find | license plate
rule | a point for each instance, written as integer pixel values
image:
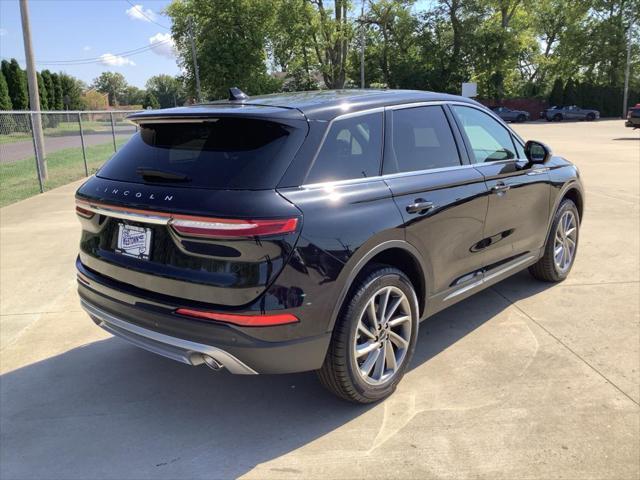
(134, 241)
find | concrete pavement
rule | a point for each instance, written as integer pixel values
(524, 380)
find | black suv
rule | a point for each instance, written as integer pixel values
(314, 231)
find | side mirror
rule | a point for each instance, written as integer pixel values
(537, 152)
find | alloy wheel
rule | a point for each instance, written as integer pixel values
(565, 242)
(383, 334)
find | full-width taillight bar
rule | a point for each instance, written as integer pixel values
(241, 320)
(190, 225)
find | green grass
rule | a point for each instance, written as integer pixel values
(64, 129)
(19, 180)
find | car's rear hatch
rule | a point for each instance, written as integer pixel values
(188, 208)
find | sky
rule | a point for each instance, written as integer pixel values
(93, 31)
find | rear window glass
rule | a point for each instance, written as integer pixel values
(352, 149)
(221, 153)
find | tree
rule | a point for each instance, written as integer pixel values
(167, 90)
(230, 42)
(56, 101)
(556, 98)
(5, 100)
(17, 85)
(111, 83)
(132, 95)
(150, 101)
(72, 89)
(42, 92)
(569, 93)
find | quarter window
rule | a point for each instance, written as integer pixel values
(421, 140)
(351, 149)
(489, 140)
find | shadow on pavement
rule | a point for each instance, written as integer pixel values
(111, 410)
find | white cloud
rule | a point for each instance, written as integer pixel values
(112, 60)
(3, 32)
(86, 48)
(163, 44)
(138, 12)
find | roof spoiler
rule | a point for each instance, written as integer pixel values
(235, 94)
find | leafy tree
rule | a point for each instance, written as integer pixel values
(569, 96)
(5, 100)
(72, 89)
(42, 92)
(56, 99)
(150, 101)
(111, 83)
(49, 86)
(167, 90)
(16, 82)
(231, 40)
(556, 96)
(132, 96)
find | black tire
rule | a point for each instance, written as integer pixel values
(521, 119)
(546, 269)
(340, 372)
(591, 117)
(557, 117)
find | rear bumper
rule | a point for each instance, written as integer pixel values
(154, 327)
(632, 123)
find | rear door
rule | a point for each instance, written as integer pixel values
(441, 197)
(516, 222)
(188, 208)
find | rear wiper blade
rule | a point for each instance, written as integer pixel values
(162, 175)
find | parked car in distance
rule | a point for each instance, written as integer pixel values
(571, 112)
(633, 117)
(314, 231)
(509, 115)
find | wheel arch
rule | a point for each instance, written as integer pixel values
(395, 253)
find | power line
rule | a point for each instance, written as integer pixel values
(84, 61)
(141, 12)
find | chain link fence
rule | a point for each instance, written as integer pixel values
(73, 145)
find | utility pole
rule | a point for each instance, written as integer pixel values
(196, 71)
(362, 46)
(34, 97)
(626, 73)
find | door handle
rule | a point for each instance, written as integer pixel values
(500, 188)
(419, 206)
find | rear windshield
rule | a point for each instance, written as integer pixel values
(220, 153)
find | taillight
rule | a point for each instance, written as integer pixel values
(241, 320)
(233, 228)
(84, 213)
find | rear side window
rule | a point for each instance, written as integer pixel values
(421, 140)
(488, 139)
(220, 153)
(352, 149)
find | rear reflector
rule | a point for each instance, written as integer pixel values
(242, 320)
(84, 213)
(233, 228)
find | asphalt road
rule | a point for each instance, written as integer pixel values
(11, 152)
(524, 380)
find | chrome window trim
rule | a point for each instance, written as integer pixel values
(402, 106)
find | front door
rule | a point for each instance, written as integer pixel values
(518, 192)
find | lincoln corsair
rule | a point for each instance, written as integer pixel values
(315, 231)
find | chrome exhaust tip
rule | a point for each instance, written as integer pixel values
(212, 363)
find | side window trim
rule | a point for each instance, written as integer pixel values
(466, 141)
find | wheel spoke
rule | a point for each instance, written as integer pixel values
(399, 320)
(398, 340)
(371, 309)
(365, 331)
(366, 348)
(379, 368)
(382, 306)
(390, 356)
(368, 364)
(392, 310)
